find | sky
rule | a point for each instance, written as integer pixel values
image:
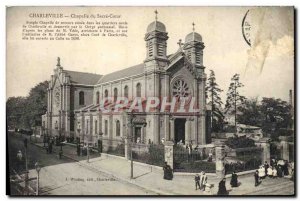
(266, 68)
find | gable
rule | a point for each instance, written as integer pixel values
(181, 65)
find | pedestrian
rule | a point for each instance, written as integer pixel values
(261, 172)
(270, 172)
(210, 155)
(222, 187)
(274, 173)
(19, 155)
(19, 159)
(197, 181)
(203, 181)
(168, 174)
(50, 148)
(266, 166)
(234, 180)
(285, 168)
(256, 178)
(78, 149)
(279, 171)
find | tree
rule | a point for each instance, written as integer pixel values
(25, 112)
(276, 116)
(213, 93)
(37, 103)
(15, 111)
(250, 113)
(234, 99)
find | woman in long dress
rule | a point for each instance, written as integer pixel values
(222, 187)
(261, 172)
(234, 180)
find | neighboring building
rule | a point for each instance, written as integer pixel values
(252, 132)
(74, 97)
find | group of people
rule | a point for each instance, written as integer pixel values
(274, 170)
(200, 181)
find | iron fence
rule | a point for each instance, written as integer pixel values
(243, 159)
(193, 160)
(148, 153)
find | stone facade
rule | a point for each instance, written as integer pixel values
(180, 74)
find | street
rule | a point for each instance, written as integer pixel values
(66, 177)
(73, 175)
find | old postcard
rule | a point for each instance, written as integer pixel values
(152, 101)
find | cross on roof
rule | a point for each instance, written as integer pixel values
(58, 61)
(193, 26)
(155, 15)
(180, 44)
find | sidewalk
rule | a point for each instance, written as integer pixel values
(145, 176)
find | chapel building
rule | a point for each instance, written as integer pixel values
(74, 98)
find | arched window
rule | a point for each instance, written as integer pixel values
(117, 128)
(81, 98)
(115, 94)
(138, 90)
(126, 91)
(97, 97)
(105, 93)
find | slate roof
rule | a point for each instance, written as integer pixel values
(134, 70)
(83, 78)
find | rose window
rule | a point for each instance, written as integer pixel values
(180, 89)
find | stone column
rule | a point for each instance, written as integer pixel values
(172, 129)
(156, 126)
(100, 122)
(169, 145)
(220, 156)
(266, 150)
(91, 128)
(187, 130)
(285, 154)
(167, 127)
(82, 126)
(127, 147)
(67, 109)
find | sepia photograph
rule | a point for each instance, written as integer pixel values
(150, 101)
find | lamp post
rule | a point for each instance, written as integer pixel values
(130, 137)
(38, 169)
(100, 143)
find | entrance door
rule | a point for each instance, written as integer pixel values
(179, 130)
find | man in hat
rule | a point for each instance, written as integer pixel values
(197, 181)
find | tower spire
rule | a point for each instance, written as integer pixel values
(155, 15)
(193, 26)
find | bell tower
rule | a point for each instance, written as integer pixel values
(193, 48)
(156, 44)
